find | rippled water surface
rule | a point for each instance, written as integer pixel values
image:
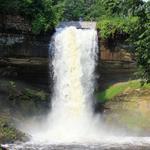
(80, 147)
(119, 143)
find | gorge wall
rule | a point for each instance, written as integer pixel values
(117, 62)
(24, 55)
(24, 60)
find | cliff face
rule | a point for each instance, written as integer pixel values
(16, 39)
(14, 23)
(23, 45)
(22, 54)
(25, 56)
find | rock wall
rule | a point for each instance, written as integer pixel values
(117, 63)
(115, 50)
(25, 56)
(17, 40)
(14, 23)
(23, 45)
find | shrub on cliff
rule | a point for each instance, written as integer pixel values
(109, 27)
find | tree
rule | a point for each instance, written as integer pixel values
(43, 14)
(95, 10)
(141, 40)
(74, 9)
(122, 7)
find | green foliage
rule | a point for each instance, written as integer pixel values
(122, 7)
(140, 37)
(87, 9)
(8, 133)
(111, 6)
(43, 14)
(39, 24)
(111, 26)
(95, 11)
(143, 55)
(117, 89)
(111, 92)
(74, 9)
(36, 95)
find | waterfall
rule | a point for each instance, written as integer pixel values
(71, 124)
(75, 52)
(71, 118)
(74, 65)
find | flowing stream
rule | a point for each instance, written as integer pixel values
(71, 124)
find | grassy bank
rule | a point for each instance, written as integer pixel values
(117, 89)
(127, 106)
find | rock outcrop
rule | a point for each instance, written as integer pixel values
(23, 55)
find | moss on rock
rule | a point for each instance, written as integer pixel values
(8, 133)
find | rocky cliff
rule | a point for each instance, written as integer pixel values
(25, 56)
(17, 40)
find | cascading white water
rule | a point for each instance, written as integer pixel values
(71, 118)
(75, 52)
(74, 64)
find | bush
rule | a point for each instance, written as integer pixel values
(43, 14)
(109, 27)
